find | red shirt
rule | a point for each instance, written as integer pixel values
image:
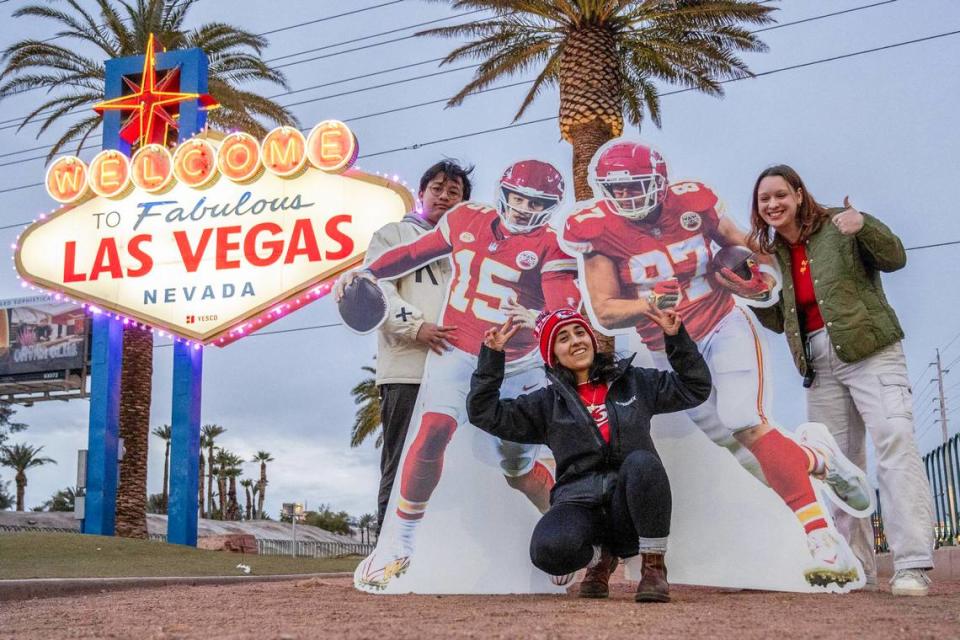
(594, 396)
(810, 317)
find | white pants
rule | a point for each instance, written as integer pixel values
(873, 396)
(446, 383)
(739, 399)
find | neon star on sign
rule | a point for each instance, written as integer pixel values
(153, 103)
(203, 242)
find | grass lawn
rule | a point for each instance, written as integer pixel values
(65, 555)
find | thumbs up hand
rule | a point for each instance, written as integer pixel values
(849, 221)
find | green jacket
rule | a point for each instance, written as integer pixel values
(846, 279)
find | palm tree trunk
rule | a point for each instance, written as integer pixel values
(249, 509)
(591, 106)
(135, 392)
(21, 479)
(233, 512)
(210, 506)
(166, 476)
(200, 484)
(263, 488)
(222, 487)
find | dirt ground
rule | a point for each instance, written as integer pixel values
(331, 608)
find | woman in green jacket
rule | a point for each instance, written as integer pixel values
(845, 340)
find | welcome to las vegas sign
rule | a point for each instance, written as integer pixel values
(213, 237)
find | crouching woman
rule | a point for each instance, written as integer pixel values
(612, 495)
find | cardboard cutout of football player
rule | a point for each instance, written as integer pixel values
(507, 262)
(646, 242)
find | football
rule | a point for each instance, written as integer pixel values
(736, 258)
(363, 306)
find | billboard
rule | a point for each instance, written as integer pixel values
(43, 345)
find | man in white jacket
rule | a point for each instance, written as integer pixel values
(414, 301)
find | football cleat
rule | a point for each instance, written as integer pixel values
(378, 569)
(832, 560)
(848, 483)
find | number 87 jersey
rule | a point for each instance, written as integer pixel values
(675, 244)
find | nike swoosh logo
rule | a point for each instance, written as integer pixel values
(627, 403)
(530, 387)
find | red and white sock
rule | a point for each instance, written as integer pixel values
(787, 466)
(424, 465)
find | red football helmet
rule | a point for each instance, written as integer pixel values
(537, 189)
(633, 177)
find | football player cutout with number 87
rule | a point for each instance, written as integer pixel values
(646, 242)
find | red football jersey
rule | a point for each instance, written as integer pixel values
(491, 266)
(676, 245)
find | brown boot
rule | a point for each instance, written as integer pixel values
(595, 583)
(653, 585)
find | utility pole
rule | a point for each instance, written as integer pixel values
(943, 401)
(951, 480)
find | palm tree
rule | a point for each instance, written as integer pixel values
(121, 28)
(202, 470)
(605, 55)
(367, 420)
(247, 485)
(135, 391)
(164, 432)
(222, 461)
(364, 524)
(210, 432)
(229, 472)
(263, 458)
(21, 457)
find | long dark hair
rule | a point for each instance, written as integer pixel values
(810, 214)
(604, 369)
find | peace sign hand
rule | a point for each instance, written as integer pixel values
(849, 221)
(668, 320)
(496, 337)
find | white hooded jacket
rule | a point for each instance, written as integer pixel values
(411, 299)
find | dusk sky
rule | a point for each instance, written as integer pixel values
(840, 97)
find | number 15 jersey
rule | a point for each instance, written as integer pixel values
(490, 267)
(675, 245)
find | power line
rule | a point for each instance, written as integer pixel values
(916, 380)
(760, 74)
(952, 340)
(329, 46)
(274, 332)
(421, 24)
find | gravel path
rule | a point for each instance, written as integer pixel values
(331, 608)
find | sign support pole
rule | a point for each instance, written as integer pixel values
(102, 470)
(185, 445)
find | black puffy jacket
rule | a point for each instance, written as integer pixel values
(555, 415)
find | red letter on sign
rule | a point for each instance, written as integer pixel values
(137, 253)
(224, 244)
(70, 263)
(108, 259)
(191, 259)
(275, 247)
(334, 233)
(303, 235)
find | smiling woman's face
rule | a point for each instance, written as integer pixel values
(573, 348)
(777, 203)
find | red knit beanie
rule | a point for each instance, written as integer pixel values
(549, 324)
